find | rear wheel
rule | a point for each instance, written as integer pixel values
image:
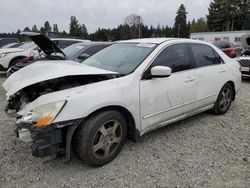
(99, 140)
(224, 100)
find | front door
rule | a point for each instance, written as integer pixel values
(163, 99)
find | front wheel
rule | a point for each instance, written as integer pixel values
(99, 140)
(224, 100)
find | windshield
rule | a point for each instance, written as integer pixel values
(28, 45)
(122, 58)
(72, 50)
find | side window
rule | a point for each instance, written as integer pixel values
(204, 55)
(176, 57)
(94, 49)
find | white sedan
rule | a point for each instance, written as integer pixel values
(10, 56)
(123, 91)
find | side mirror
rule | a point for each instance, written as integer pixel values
(83, 56)
(160, 71)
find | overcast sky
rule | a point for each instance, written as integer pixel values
(16, 14)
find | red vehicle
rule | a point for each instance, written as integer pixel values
(227, 48)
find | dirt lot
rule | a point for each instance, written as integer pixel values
(202, 151)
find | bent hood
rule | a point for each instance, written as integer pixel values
(47, 70)
(10, 50)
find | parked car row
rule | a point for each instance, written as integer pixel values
(11, 56)
(242, 54)
(123, 91)
(5, 41)
(78, 51)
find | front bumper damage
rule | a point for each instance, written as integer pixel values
(52, 140)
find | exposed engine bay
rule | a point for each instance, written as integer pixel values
(32, 92)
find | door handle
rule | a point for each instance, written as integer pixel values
(222, 71)
(189, 80)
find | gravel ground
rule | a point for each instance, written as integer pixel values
(202, 151)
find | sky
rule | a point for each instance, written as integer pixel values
(15, 14)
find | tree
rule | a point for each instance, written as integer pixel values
(199, 26)
(228, 15)
(84, 31)
(55, 28)
(73, 26)
(134, 22)
(47, 27)
(180, 26)
(34, 28)
(42, 30)
(26, 29)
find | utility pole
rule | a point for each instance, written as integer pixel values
(179, 28)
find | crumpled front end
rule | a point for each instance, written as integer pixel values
(46, 141)
(36, 107)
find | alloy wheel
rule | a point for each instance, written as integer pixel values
(107, 139)
(225, 100)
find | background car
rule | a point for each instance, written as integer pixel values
(244, 59)
(227, 48)
(4, 41)
(11, 45)
(11, 56)
(65, 42)
(77, 52)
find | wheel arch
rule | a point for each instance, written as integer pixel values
(233, 86)
(16, 58)
(132, 132)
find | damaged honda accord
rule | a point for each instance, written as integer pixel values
(123, 91)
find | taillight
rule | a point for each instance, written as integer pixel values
(26, 59)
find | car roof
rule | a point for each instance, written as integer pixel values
(70, 39)
(148, 40)
(95, 43)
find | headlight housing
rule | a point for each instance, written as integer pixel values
(45, 114)
(2, 55)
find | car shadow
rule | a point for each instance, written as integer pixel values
(246, 80)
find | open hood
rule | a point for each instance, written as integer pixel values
(47, 70)
(44, 43)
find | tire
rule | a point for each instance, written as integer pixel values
(100, 139)
(224, 100)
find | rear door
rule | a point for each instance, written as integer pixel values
(211, 73)
(164, 99)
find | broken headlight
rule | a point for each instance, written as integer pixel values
(45, 114)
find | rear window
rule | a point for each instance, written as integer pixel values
(204, 55)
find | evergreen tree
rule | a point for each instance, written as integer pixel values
(26, 29)
(42, 30)
(34, 29)
(180, 26)
(198, 26)
(73, 26)
(47, 27)
(55, 28)
(84, 32)
(228, 15)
